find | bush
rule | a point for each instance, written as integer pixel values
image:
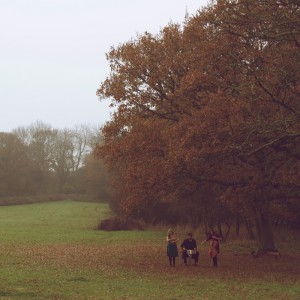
(117, 223)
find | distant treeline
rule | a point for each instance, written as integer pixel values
(39, 163)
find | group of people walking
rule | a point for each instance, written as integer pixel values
(189, 247)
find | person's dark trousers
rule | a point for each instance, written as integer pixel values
(195, 256)
(184, 256)
(215, 261)
(172, 260)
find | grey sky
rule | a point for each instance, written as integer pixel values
(52, 54)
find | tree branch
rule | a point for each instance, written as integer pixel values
(275, 142)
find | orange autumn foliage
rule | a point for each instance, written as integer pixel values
(213, 102)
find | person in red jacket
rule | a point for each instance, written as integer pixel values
(214, 249)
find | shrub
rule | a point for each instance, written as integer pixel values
(118, 223)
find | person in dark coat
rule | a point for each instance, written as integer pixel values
(172, 250)
(190, 244)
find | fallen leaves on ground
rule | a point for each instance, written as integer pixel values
(151, 259)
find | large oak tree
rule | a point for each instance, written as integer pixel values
(213, 103)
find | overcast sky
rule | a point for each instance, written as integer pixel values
(52, 54)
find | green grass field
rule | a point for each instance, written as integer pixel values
(52, 251)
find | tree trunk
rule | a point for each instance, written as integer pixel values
(265, 234)
(250, 232)
(237, 225)
(220, 229)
